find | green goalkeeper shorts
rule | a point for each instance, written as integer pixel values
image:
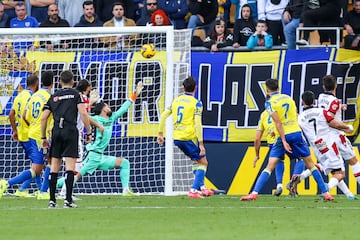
(94, 161)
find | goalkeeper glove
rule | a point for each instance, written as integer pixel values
(139, 88)
(94, 96)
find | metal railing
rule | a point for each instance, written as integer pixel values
(338, 36)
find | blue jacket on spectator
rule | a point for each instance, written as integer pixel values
(28, 22)
(176, 10)
(253, 41)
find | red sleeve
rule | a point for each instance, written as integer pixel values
(334, 106)
(87, 102)
(329, 117)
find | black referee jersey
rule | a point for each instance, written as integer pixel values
(64, 106)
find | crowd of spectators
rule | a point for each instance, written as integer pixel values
(281, 18)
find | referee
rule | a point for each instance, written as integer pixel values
(64, 104)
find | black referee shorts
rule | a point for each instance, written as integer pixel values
(65, 143)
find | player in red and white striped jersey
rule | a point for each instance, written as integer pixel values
(328, 101)
(315, 123)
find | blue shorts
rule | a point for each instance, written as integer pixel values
(36, 155)
(190, 149)
(27, 148)
(283, 157)
(297, 143)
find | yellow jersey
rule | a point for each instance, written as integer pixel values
(285, 108)
(266, 126)
(19, 106)
(34, 112)
(187, 112)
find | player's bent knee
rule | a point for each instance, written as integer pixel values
(37, 168)
(338, 174)
(118, 162)
(203, 161)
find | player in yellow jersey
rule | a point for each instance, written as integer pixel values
(266, 126)
(33, 113)
(33, 116)
(283, 111)
(187, 113)
(20, 128)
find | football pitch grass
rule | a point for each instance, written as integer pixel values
(177, 217)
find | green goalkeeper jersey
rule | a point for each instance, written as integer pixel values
(102, 139)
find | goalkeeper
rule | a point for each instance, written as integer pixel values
(95, 158)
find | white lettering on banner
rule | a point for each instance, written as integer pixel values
(298, 79)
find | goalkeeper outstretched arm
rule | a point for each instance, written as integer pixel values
(126, 105)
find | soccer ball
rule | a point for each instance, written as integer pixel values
(148, 50)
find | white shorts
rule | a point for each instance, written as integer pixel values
(344, 145)
(330, 159)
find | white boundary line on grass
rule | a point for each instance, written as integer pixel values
(166, 207)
